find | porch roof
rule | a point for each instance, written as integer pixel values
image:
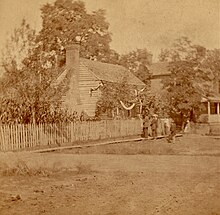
(215, 98)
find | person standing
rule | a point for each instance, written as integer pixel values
(146, 122)
(154, 125)
(187, 127)
(172, 136)
(166, 127)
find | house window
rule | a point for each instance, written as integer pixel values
(213, 107)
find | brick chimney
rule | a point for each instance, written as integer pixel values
(72, 56)
(72, 63)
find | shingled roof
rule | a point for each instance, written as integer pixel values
(110, 72)
(103, 72)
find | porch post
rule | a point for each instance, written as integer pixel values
(209, 108)
(218, 108)
(117, 111)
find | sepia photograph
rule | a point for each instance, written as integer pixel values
(109, 107)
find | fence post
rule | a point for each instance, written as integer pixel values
(2, 143)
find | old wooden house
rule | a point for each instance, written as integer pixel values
(84, 79)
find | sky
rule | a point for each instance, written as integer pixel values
(150, 24)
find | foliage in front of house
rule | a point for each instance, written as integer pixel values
(112, 94)
(137, 63)
(190, 80)
(138, 101)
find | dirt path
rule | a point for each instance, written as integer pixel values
(113, 184)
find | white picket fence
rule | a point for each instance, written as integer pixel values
(20, 136)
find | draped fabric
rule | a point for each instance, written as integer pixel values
(132, 106)
(127, 108)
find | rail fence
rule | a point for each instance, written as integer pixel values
(20, 136)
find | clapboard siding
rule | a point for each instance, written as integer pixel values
(87, 81)
(87, 103)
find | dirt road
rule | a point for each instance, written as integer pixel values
(113, 184)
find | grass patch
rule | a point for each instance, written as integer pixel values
(22, 168)
(159, 147)
(31, 164)
(26, 164)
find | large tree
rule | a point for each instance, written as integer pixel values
(190, 78)
(138, 62)
(66, 22)
(18, 46)
(25, 79)
(13, 83)
(212, 61)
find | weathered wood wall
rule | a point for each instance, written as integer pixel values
(87, 81)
